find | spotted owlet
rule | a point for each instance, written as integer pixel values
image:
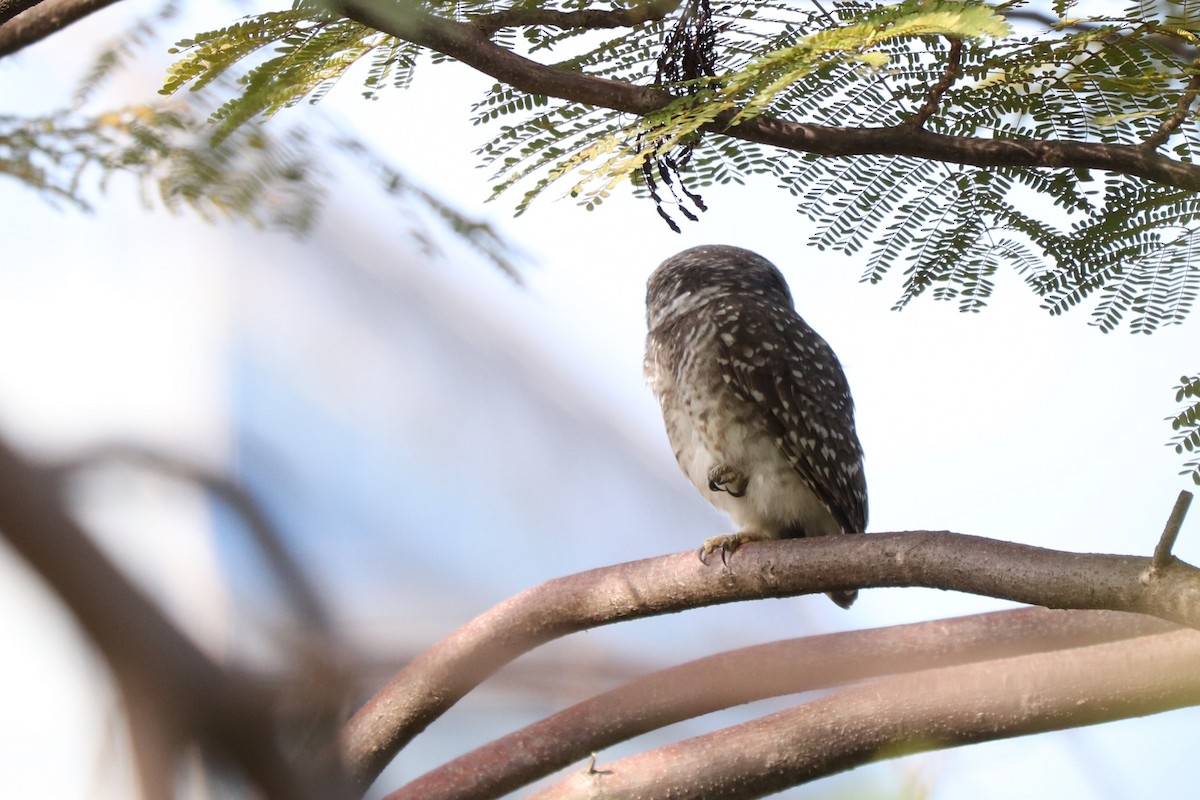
(756, 405)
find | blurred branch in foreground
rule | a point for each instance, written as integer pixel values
(175, 695)
(928, 685)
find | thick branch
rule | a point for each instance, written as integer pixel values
(779, 668)
(907, 714)
(10, 8)
(435, 681)
(471, 46)
(44, 19)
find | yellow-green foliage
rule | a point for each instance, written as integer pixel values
(753, 89)
(1119, 243)
(257, 177)
(314, 50)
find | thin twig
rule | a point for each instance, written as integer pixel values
(1183, 110)
(949, 76)
(1166, 542)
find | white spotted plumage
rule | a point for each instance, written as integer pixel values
(746, 384)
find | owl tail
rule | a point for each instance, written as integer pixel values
(843, 597)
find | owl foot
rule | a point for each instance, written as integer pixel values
(727, 544)
(723, 478)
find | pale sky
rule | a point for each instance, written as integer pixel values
(1009, 424)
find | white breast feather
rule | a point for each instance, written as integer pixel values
(775, 498)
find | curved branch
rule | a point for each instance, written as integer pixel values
(439, 677)
(301, 593)
(907, 714)
(779, 668)
(950, 74)
(175, 694)
(470, 45)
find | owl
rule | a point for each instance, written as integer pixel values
(755, 403)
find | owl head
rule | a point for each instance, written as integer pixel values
(700, 275)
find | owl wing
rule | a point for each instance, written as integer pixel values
(782, 366)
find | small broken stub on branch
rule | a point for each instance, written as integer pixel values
(1162, 553)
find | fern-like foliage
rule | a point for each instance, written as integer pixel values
(273, 176)
(266, 179)
(121, 52)
(1120, 244)
(1186, 425)
(313, 51)
(1004, 70)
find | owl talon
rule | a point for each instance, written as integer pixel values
(722, 478)
(726, 543)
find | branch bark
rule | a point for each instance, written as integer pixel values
(174, 693)
(293, 580)
(437, 679)
(779, 668)
(471, 45)
(43, 19)
(938, 90)
(1183, 109)
(11, 8)
(907, 714)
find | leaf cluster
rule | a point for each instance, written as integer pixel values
(266, 179)
(313, 50)
(1186, 425)
(1117, 243)
(239, 169)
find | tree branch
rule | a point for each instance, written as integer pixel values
(439, 677)
(10, 8)
(949, 76)
(175, 694)
(908, 714)
(788, 667)
(1183, 109)
(1162, 553)
(470, 45)
(302, 596)
(593, 19)
(43, 19)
